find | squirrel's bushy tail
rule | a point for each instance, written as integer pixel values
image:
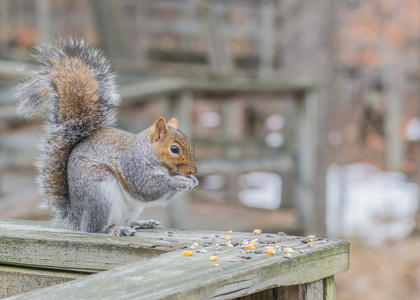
(75, 90)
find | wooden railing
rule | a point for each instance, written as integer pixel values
(44, 261)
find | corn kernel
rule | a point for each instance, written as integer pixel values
(228, 237)
(288, 250)
(253, 243)
(213, 258)
(269, 248)
(271, 252)
(188, 253)
(257, 231)
(250, 247)
(230, 232)
(195, 246)
(311, 240)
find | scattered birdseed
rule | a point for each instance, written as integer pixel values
(228, 237)
(213, 258)
(206, 245)
(288, 250)
(257, 231)
(230, 232)
(188, 253)
(250, 247)
(195, 246)
(282, 234)
(257, 252)
(270, 249)
(288, 255)
(271, 252)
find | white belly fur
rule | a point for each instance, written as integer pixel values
(126, 208)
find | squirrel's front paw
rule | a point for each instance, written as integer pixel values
(186, 183)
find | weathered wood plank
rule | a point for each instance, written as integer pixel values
(164, 86)
(154, 87)
(41, 244)
(173, 276)
(250, 85)
(14, 281)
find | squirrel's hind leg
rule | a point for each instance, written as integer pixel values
(92, 198)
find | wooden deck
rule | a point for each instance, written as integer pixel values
(36, 256)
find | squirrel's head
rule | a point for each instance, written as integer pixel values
(173, 148)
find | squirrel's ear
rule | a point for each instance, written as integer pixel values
(159, 131)
(173, 123)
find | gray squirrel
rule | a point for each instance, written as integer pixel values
(97, 178)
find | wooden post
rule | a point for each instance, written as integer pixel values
(5, 20)
(113, 29)
(44, 20)
(312, 58)
(141, 39)
(266, 38)
(394, 103)
(305, 162)
(218, 50)
(232, 125)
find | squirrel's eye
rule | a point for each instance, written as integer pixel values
(174, 149)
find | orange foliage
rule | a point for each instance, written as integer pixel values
(378, 31)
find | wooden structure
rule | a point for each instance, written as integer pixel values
(36, 256)
(211, 42)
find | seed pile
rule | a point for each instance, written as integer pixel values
(248, 248)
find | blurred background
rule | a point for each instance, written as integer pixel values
(304, 116)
